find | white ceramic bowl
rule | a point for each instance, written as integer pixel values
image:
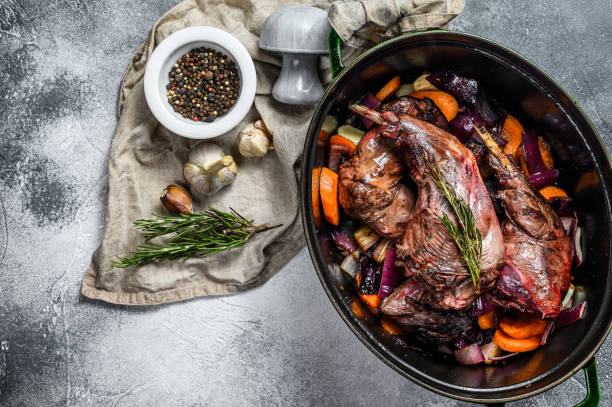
(165, 55)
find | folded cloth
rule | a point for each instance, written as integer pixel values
(145, 157)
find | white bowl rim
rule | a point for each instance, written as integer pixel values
(156, 97)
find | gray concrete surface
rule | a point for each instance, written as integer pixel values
(61, 62)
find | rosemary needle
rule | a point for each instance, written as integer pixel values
(465, 234)
(192, 234)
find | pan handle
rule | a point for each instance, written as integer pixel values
(592, 384)
(335, 53)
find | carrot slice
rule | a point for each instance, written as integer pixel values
(444, 101)
(552, 191)
(510, 344)
(522, 325)
(357, 309)
(586, 181)
(389, 89)
(371, 300)
(512, 132)
(343, 141)
(316, 197)
(487, 321)
(546, 154)
(390, 326)
(328, 186)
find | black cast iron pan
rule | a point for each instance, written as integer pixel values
(540, 103)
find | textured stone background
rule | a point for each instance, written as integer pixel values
(61, 62)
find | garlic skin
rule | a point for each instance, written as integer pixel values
(176, 199)
(209, 169)
(254, 140)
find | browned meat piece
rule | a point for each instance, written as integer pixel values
(407, 305)
(426, 249)
(423, 109)
(538, 250)
(369, 188)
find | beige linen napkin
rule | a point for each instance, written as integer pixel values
(145, 157)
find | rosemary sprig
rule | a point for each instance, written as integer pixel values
(194, 234)
(465, 234)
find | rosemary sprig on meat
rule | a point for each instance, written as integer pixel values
(465, 233)
(195, 234)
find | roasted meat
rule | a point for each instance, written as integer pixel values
(408, 305)
(426, 249)
(369, 187)
(423, 109)
(370, 190)
(538, 250)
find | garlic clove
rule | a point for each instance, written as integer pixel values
(176, 199)
(255, 140)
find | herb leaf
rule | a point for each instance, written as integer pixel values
(465, 234)
(193, 234)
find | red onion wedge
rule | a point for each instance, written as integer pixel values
(531, 151)
(350, 266)
(544, 178)
(481, 306)
(391, 276)
(369, 101)
(336, 153)
(462, 126)
(470, 355)
(562, 205)
(345, 243)
(504, 357)
(370, 275)
(567, 223)
(486, 111)
(464, 89)
(567, 300)
(490, 351)
(570, 224)
(567, 316)
(550, 325)
(578, 253)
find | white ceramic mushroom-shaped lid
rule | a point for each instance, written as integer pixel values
(297, 30)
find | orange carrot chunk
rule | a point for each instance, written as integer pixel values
(444, 101)
(357, 309)
(512, 132)
(389, 89)
(390, 326)
(522, 325)
(371, 300)
(316, 197)
(510, 344)
(487, 321)
(343, 141)
(552, 191)
(328, 186)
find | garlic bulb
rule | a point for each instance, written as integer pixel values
(255, 140)
(209, 169)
